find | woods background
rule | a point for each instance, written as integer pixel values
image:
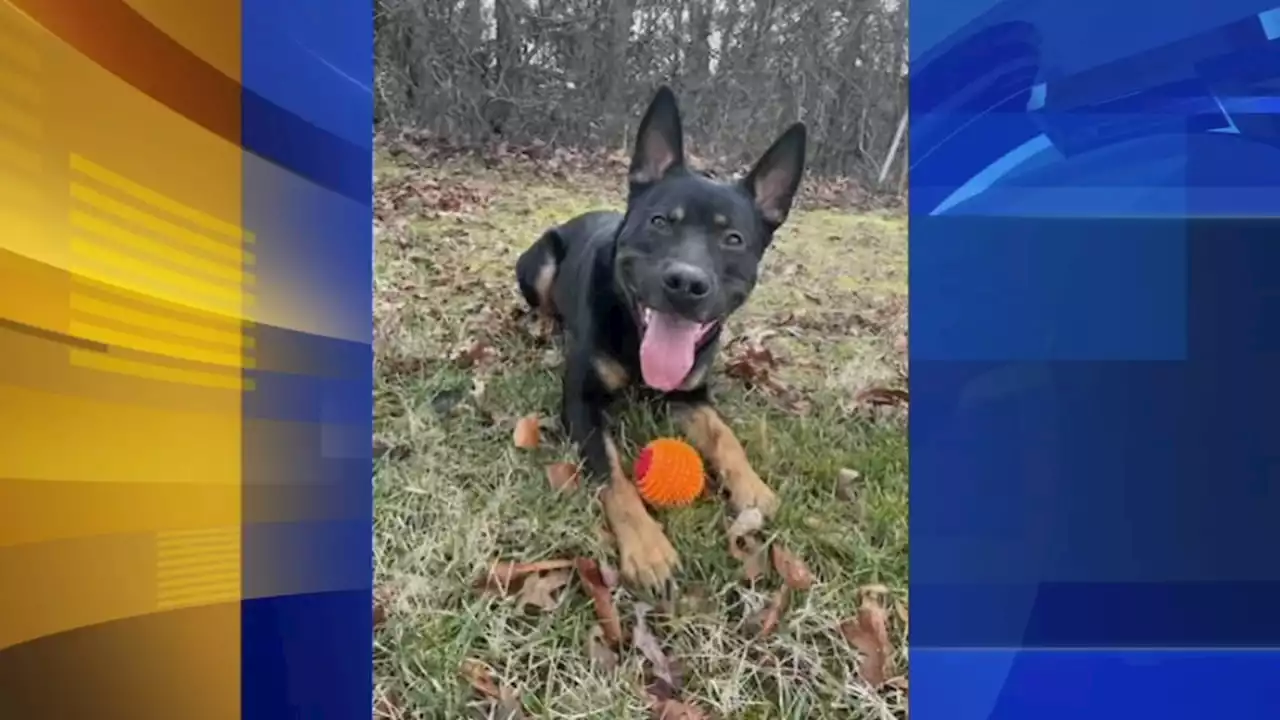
(578, 73)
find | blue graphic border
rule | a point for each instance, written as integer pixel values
(307, 113)
(1095, 330)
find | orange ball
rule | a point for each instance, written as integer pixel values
(669, 473)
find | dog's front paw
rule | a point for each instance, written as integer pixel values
(747, 490)
(646, 556)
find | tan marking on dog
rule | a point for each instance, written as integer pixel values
(542, 284)
(610, 371)
(720, 220)
(646, 556)
(676, 214)
(715, 440)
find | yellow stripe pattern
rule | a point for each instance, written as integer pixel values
(197, 567)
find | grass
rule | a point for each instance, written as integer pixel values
(453, 494)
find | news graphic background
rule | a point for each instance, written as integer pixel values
(184, 385)
(1095, 329)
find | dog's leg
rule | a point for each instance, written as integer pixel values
(646, 557)
(713, 437)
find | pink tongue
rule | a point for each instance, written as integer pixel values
(667, 350)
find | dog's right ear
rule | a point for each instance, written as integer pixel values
(660, 141)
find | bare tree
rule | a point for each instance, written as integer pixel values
(578, 71)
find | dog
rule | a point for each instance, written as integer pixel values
(642, 296)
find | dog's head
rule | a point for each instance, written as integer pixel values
(689, 249)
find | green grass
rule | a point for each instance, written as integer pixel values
(453, 494)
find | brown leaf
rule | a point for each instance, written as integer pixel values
(672, 709)
(792, 569)
(542, 591)
(381, 598)
(648, 645)
(505, 576)
(883, 396)
(527, 433)
(607, 615)
(482, 680)
(771, 616)
(868, 633)
(599, 651)
(475, 353)
(562, 476)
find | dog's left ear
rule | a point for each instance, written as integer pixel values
(773, 182)
(659, 142)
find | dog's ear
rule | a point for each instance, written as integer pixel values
(773, 182)
(660, 141)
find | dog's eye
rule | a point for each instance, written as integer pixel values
(659, 221)
(733, 239)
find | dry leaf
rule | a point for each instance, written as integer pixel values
(883, 396)
(771, 616)
(602, 599)
(672, 709)
(542, 591)
(792, 569)
(527, 433)
(482, 680)
(473, 354)
(381, 598)
(598, 650)
(648, 645)
(562, 476)
(504, 577)
(868, 633)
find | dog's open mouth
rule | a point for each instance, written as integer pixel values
(668, 345)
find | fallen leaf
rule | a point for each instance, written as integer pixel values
(649, 646)
(598, 650)
(542, 591)
(474, 353)
(506, 701)
(771, 616)
(481, 679)
(868, 633)
(672, 709)
(794, 572)
(527, 433)
(505, 576)
(602, 599)
(562, 476)
(381, 599)
(883, 396)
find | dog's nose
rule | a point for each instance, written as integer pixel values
(683, 281)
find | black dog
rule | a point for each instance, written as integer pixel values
(642, 295)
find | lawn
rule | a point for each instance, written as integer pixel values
(458, 365)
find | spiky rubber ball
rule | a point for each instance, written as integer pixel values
(669, 473)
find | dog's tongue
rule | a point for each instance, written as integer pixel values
(667, 350)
